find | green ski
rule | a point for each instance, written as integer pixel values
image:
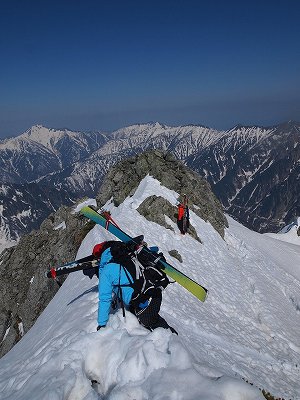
(106, 222)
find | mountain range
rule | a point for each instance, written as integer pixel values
(254, 171)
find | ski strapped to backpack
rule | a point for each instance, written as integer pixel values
(89, 265)
(54, 272)
(81, 264)
(189, 284)
(142, 273)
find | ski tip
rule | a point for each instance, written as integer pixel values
(94, 208)
(88, 207)
(206, 295)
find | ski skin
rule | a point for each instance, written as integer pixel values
(189, 284)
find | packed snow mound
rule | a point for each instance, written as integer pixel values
(248, 328)
(63, 357)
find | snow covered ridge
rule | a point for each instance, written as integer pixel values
(248, 328)
(250, 170)
(53, 150)
(290, 233)
(6, 240)
(47, 137)
(294, 225)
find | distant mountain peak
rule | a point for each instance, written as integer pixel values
(291, 122)
(156, 124)
(36, 127)
(289, 126)
(241, 126)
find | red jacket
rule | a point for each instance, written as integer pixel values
(180, 212)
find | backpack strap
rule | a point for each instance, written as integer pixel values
(121, 293)
(130, 284)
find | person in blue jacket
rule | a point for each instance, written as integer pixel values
(115, 281)
(111, 275)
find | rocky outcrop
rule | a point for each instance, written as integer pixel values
(174, 253)
(123, 179)
(25, 291)
(155, 209)
(149, 207)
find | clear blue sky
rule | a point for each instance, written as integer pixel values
(100, 65)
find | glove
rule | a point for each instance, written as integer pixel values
(100, 326)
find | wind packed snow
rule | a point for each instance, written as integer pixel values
(5, 334)
(248, 328)
(288, 234)
(21, 328)
(60, 226)
(5, 242)
(88, 202)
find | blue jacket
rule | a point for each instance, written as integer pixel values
(110, 275)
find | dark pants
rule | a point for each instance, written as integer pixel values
(183, 225)
(149, 316)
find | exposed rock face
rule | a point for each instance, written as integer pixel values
(122, 180)
(149, 208)
(25, 291)
(155, 208)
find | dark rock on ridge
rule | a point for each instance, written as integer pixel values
(25, 292)
(149, 209)
(123, 179)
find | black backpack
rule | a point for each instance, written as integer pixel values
(141, 267)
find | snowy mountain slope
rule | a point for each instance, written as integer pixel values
(26, 199)
(182, 141)
(85, 177)
(254, 171)
(24, 206)
(248, 327)
(290, 234)
(73, 164)
(40, 151)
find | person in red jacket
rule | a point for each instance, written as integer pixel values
(180, 217)
(183, 218)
